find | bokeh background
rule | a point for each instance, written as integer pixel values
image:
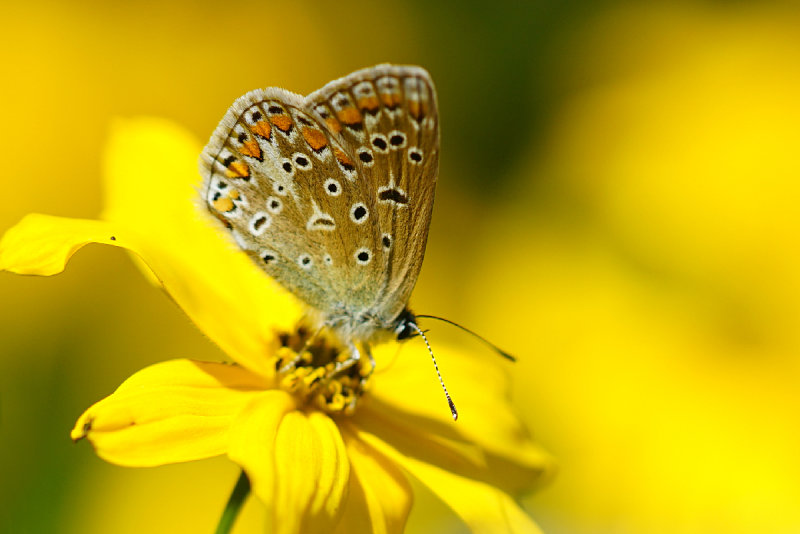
(617, 206)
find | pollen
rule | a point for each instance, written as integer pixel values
(319, 373)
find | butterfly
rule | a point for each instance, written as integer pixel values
(331, 194)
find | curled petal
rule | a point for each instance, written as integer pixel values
(170, 412)
(487, 443)
(296, 462)
(151, 175)
(42, 244)
(380, 497)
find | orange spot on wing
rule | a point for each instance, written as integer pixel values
(391, 100)
(251, 148)
(262, 128)
(234, 194)
(334, 125)
(369, 103)
(238, 169)
(315, 138)
(282, 122)
(223, 204)
(349, 115)
(415, 109)
(343, 158)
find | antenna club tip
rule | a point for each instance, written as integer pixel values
(452, 409)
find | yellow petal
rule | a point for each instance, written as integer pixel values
(407, 408)
(152, 182)
(313, 473)
(252, 439)
(380, 497)
(42, 245)
(296, 462)
(483, 507)
(173, 411)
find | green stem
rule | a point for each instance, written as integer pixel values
(239, 494)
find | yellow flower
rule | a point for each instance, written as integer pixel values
(318, 460)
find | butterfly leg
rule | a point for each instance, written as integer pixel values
(292, 364)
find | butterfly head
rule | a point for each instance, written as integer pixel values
(403, 325)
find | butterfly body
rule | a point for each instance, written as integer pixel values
(331, 194)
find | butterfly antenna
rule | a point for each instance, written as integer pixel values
(494, 347)
(446, 394)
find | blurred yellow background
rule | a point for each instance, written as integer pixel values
(617, 206)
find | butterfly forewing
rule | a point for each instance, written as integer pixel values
(332, 194)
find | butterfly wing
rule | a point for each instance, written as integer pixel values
(313, 188)
(387, 117)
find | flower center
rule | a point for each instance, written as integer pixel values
(319, 373)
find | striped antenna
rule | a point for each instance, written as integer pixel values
(446, 394)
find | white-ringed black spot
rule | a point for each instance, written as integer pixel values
(386, 240)
(227, 161)
(363, 256)
(216, 196)
(332, 187)
(256, 116)
(287, 166)
(414, 155)
(275, 109)
(397, 139)
(327, 259)
(304, 261)
(359, 213)
(221, 185)
(259, 222)
(274, 205)
(342, 102)
(379, 142)
(280, 189)
(268, 257)
(242, 137)
(302, 161)
(365, 156)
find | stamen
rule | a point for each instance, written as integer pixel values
(319, 373)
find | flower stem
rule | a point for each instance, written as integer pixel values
(239, 494)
